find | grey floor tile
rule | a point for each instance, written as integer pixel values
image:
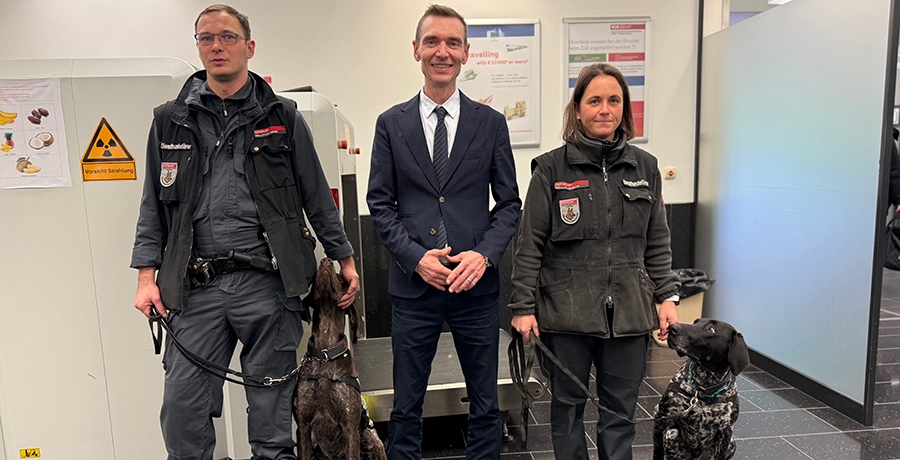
(781, 399)
(887, 416)
(778, 423)
(837, 419)
(765, 380)
(662, 368)
(888, 356)
(747, 406)
(767, 449)
(745, 384)
(656, 384)
(889, 341)
(887, 372)
(856, 445)
(887, 392)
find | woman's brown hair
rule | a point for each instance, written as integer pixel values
(571, 125)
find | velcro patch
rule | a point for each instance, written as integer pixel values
(571, 185)
(269, 131)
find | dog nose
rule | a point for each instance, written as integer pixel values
(673, 329)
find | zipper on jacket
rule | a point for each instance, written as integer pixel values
(609, 283)
(190, 251)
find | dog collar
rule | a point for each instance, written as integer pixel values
(338, 350)
(703, 392)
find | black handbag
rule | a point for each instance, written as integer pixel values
(892, 244)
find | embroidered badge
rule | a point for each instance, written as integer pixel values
(571, 185)
(269, 131)
(569, 210)
(640, 183)
(168, 173)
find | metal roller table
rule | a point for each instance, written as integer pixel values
(446, 393)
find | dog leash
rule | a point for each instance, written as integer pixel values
(209, 366)
(520, 369)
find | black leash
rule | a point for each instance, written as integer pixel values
(520, 368)
(209, 366)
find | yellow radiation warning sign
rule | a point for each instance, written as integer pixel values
(29, 453)
(106, 157)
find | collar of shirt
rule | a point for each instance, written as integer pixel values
(429, 118)
(231, 104)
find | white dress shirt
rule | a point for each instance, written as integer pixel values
(429, 119)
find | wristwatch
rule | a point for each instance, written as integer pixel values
(487, 262)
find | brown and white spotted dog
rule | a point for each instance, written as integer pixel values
(695, 416)
(331, 418)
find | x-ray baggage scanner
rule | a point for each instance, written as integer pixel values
(74, 352)
(78, 377)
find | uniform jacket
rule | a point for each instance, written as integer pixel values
(406, 201)
(594, 244)
(284, 177)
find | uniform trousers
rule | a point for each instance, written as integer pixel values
(416, 326)
(249, 306)
(621, 364)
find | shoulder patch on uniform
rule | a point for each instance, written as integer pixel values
(571, 185)
(569, 210)
(639, 183)
(269, 131)
(167, 174)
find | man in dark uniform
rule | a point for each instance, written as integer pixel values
(231, 168)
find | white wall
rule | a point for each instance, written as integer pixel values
(359, 54)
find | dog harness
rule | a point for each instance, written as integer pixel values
(338, 350)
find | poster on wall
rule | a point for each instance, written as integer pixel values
(503, 72)
(621, 42)
(32, 146)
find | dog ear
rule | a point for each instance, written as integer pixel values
(353, 313)
(738, 354)
(308, 305)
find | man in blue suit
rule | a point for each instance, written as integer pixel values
(436, 160)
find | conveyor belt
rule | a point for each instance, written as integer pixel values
(446, 394)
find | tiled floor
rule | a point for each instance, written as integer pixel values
(776, 421)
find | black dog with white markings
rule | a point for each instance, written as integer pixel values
(695, 417)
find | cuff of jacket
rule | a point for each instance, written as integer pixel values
(146, 259)
(660, 298)
(338, 253)
(523, 311)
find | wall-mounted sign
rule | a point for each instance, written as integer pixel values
(106, 157)
(504, 72)
(32, 135)
(622, 42)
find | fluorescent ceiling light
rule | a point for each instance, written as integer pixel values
(778, 2)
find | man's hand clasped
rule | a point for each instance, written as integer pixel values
(470, 269)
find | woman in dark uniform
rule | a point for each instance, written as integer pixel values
(593, 260)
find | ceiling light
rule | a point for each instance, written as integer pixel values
(778, 2)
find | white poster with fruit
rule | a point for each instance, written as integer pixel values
(32, 149)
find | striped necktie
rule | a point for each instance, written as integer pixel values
(439, 161)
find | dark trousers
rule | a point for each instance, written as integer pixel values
(416, 327)
(621, 364)
(213, 322)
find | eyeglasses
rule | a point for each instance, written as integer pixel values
(225, 38)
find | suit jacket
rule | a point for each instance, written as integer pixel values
(407, 203)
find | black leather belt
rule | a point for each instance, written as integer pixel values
(202, 272)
